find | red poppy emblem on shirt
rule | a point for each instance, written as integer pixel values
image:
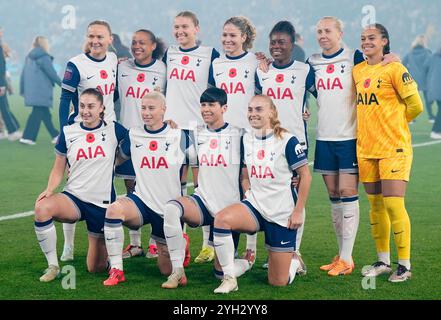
(232, 73)
(153, 146)
(367, 83)
(213, 144)
(185, 60)
(103, 74)
(141, 77)
(280, 78)
(330, 68)
(90, 138)
(261, 154)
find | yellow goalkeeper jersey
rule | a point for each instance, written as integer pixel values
(382, 129)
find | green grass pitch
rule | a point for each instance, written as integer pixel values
(24, 172)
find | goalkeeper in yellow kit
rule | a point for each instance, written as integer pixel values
(387, 100)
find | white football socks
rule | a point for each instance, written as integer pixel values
(173, 234)
(114, 237)
(350, 221)
(240, 267)
(299, 234)
(135, 237)
(205, 236)
(384, 257)
(252, 242)
(47, 238)
(152, 242)
(404, 262)
(295, 264)
(224, 246)
(69, 234)
(337, 217)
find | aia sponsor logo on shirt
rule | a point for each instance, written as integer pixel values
(329, 84)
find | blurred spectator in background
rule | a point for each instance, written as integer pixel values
(120, 49)
(3, 133)
(36, 86)
(415, 61)
(10, 121)
(298, 53)
(433, 65)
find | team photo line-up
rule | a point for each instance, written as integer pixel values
(238, 121)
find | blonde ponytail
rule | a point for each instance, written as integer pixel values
(274, 120)
(275, 124)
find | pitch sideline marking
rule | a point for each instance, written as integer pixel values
(30, 213)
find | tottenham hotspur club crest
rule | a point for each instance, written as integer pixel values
(227, 144)
(272, 156)
(342, 68)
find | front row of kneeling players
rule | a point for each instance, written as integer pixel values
(262, 161)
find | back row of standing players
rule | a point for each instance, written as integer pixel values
(187, 69)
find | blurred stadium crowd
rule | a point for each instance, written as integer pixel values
(23, 20)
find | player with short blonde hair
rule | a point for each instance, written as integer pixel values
(157, 153)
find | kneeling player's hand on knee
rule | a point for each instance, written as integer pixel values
(45, 194)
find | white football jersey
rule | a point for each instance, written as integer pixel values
(157, 158)
(90, 155)
(187, 78)
(219, 158)
(235, 75)
(92, 74)
(287, 87)
(134, 81)
(336, 118)
(270, 164)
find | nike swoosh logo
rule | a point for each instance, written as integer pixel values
(124, 75)
(88, 78)
(199, 143)
(172, 60)
(170, 237)
(42, 240)
(218, 74)
(109, 239)
(249, 154)
(138, 145)
(354, 164)
(374, 224)
(398, 232)
(394, 171)
(72, 140)
(347, 217)
(283, 242)
(263, 79)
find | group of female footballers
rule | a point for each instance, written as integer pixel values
(238, 119)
